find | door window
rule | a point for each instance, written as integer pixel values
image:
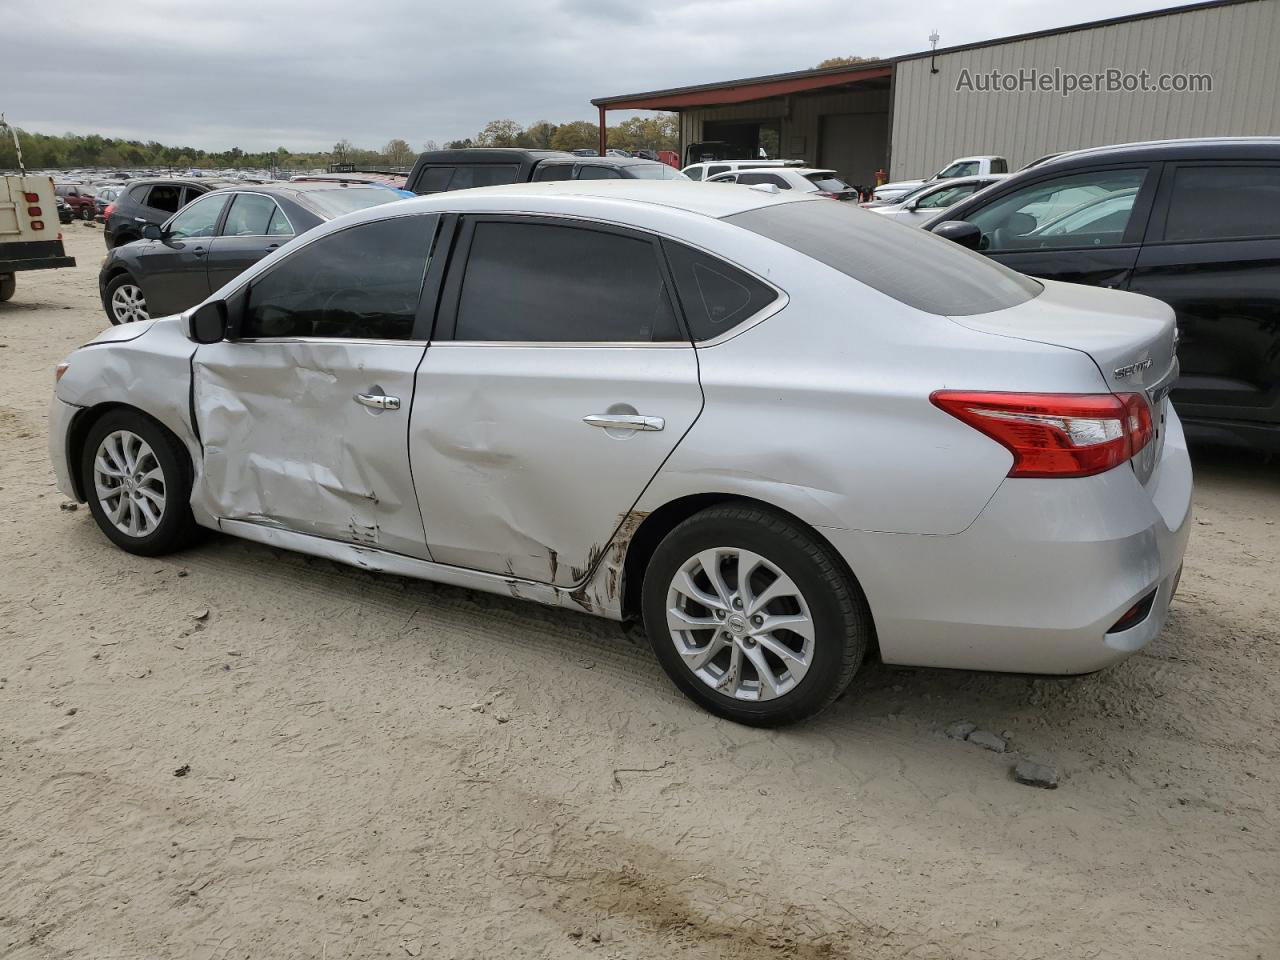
(279, 225)
(199, 219)
(553, 171)
(719, 168)
(940, 199)
(966, 168)
(694, 173)
(716, 297)
(549, 283)
(360, 283)
(1224, 202)
(1090, 209)
(435, 179)
(250, 216)
(166, 197)
(483, 175)
(190, 193)
(587, 172)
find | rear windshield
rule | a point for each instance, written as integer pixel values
(654, 171)
(911, 265)
(334, 203)
(827, 181)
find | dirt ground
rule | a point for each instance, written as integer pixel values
(337, 764)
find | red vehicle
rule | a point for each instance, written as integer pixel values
(78, 198)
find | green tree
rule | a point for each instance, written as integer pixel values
(342, 150)
(398, 153)
(499, 133)
(576, 135)
(841, 62)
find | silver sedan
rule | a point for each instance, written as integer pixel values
(777, 430)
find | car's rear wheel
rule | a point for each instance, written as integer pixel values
(753, 616)
(126, 302)
(86, 213)
(8, 286)
(137, 479)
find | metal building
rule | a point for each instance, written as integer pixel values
(912, 114)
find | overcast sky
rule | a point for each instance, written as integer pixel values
(265, 73)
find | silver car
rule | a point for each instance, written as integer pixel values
(778, 430)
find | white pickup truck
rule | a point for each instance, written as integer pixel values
(959, 167)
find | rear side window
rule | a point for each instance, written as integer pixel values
(434, 180)
(1224, 202)
(550, 283)
(694, 173)
(716, 297)
(910, 265)
(719, 168)
(777, 181)
(165, 196)
(588, 172)
(553, 171)
(999, 165)
(360, 283)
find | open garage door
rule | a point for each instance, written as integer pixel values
(855, 144)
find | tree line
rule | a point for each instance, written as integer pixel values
(42, 151)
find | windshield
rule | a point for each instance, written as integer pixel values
(828, 181)
(965, 168)
(334, 203)
(912, 266)
(654, 171)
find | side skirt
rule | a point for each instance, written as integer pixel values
(384, 561)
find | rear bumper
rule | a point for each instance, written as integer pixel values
(61, 414)
(1037, 581)
(33, 255)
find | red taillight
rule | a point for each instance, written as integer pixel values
(37, 224)
(828, 193)
(1056, 434)
(32, 197)
(107, 212)
(34, 212)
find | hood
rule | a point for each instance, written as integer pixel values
(122, 332)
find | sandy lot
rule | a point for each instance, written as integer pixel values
(378, 767)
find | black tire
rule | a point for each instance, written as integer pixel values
(86, 213)
(176, 527)
(842, 624)
(8, 286)
(114, 284)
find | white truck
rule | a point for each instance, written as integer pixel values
(30, 238)
(959, 167)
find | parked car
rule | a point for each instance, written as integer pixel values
(28, 238)
(925, 202)
(773, 428)
(64, 211)
(825, 183)
(78, 197)
(960, 167)
(1195, 223)
(103, 199)
(705, 171)
(214, 239)
(150, 201)
(440, 171)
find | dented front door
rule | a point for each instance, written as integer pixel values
(311, 435)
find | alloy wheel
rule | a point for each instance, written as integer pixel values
(130, 483)
(128, 304)
(740, 624)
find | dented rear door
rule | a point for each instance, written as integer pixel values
(304, 418)
(558, 382)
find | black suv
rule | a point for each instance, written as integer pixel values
(153, 200)
(441, 170)
(1195, 223)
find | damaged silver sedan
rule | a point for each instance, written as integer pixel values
(775, 429)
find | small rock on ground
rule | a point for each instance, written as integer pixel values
(987, 740)
(961, 729)
(1035, 774)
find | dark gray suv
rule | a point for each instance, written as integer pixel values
(153, 200)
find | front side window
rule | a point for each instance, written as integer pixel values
(718, 168)
(1224, 202)
(541, 282)
(250, 216)
(198, 219)
(360, 283)
(435, 179)
(694, 173)
(1090, 209)
(715, 296)
(166, 197)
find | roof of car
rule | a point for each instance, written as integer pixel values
(686, 195)
(610, 160)
(1199, 148)
(212, 182)
(488, 155)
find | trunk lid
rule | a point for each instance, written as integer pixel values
(1131, 338)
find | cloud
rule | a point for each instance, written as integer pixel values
(302, 75)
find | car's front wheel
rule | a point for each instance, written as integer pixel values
(8, 286)
(125, 301)
(137, 479)
(753, 616)
(86, 213)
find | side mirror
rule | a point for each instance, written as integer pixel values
(963, 232)
(151, 232)
(207, 323)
